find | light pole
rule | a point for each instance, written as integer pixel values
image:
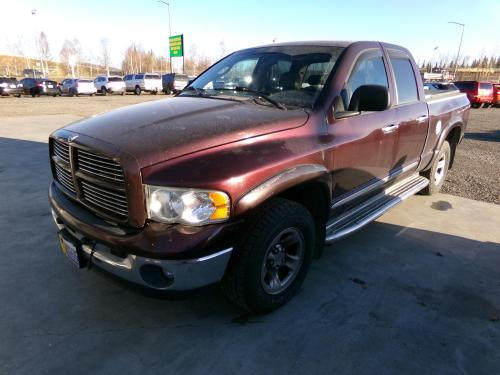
(459, 46)
(38, 47)
(169, 31)
(432, 57)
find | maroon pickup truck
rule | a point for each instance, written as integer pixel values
(243, 177)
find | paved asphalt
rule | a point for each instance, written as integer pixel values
(416, 292)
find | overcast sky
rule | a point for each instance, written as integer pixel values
(418, 25)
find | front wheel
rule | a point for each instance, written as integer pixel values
(271, 261)
(104, 91)
(438, 171)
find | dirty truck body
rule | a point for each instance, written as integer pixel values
(245, 175)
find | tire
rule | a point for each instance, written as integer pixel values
(168, 92)
(104, 91)
(137, 90)
(249, 276)
(71, 92)
(123, 93)
(438, 171)
(91, 94)
(32, 93)
(154, 92)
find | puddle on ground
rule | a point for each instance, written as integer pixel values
(441, 205)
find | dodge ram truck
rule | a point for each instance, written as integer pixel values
(244, 176)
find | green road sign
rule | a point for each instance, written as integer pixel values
(176, 44)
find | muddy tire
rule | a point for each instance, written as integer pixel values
(438, 171)
(270, 262)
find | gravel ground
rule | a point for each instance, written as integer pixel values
(476, 170)
(475, 173)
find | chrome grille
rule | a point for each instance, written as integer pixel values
(61, 150)
(94, 180)
(64, 177)
(99, 166)
(112, 201)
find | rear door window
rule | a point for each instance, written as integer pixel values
(139, 76)
(406, 85)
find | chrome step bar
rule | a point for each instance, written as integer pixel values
(366, 212)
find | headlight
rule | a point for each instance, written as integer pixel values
(186, 206)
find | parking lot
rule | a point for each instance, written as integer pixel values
(415, 292)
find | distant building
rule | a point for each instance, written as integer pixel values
(32, 73)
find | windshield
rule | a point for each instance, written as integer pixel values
(292, 76)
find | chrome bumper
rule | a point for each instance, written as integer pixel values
(178, 275)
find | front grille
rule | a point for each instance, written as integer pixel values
(99, 166)
(65, 178)
(94, 180)
(61, 150)
(114, 202)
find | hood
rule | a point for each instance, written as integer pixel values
(160, 130)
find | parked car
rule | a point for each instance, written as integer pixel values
(148, 82)
(245, 184)
(479, 92)
(174, 82)
(77, 86)
(40, 86)
(496, 95)
(446, 86)
(10, 86)
(109, 85)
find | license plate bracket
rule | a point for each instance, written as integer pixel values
(72, 248)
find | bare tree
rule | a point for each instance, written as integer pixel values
(44, 51)
(105, 57)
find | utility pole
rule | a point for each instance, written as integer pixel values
(169, 31)
(459, 46)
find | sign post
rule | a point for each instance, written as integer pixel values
(176, 47)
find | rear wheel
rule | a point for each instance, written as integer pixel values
(71, 92)
(137, 90)
(104, 91)
(438, 171)
(32, 93)
(271, 261)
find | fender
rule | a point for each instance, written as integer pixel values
(282, 181)
(444, 134)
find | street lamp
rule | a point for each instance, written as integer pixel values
(432, 57)
(459, 46)
(169, 30)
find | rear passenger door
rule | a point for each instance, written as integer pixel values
(410, 111)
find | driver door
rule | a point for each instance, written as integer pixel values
(364, 143)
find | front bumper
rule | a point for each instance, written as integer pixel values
(158, 274)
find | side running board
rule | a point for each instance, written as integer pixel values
(366, 212)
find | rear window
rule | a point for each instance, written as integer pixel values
(405, 80)
(51, 82)
(7, 80)
(152, 76)
(115, 79)
(486, 86)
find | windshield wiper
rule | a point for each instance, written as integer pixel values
(199, 92)
(260, 95)
(256, 93)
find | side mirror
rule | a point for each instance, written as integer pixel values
(369, 98)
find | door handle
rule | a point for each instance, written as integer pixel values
(390, 128)
(422, 118)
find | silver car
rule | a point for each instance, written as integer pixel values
(77, 86)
